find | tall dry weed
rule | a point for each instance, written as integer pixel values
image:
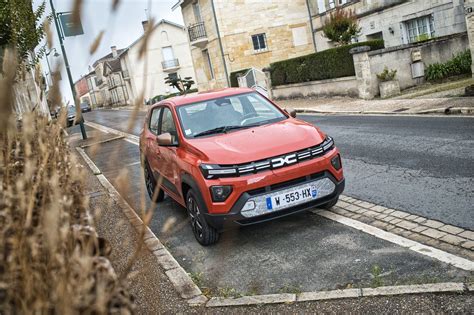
(51, 259)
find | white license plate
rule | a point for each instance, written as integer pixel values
(289, 198)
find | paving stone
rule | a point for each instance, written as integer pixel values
(449, 248)
(365, 219)
(388, 218)
(342, 204)
(356, 216)
(420, 220)
(397, 230)
(468, 235)
(399, 214)
(433, 233)
(340, 211)
(388, 211)
(419, 229)
(378, 208)
(379, 224)
(411, 217)
(381, 216)
(353, 208)
(406, 225)
(371, 213)
(420, 238)
(153, 244)
(468, 244)
(469, 254)
(395, 221)
(433, 224)
(343, 198)
(451, 229)
(406, 233)
(365, 204)
(451, 239)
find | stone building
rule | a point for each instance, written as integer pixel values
(397, 22)
(167, 54)
(230, 36)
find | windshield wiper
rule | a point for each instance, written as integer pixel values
(222, 129)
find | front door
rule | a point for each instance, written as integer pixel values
(169, 167)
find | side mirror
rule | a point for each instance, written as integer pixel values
(291, 112)
(165, 140)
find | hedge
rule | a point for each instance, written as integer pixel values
(233, 77)
(328, 64)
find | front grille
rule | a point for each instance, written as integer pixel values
(286, 184)
(283, 160)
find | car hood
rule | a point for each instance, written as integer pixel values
(253, 144)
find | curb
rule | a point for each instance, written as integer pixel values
(441, 111)
(447, 287)
(180, 279)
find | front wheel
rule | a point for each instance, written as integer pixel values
(150, 184)
(204, 234)
(330, 204)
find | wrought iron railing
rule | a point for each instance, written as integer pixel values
(197, 31)
(168, 64)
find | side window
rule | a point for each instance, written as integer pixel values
(154, 120)
(167, 124)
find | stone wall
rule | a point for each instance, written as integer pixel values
(346, 86)
(469, 10)
(369, 63)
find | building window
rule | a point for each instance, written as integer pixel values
(420, 29)
(197, 12)
(259, 42)
(332, 4)
(207, 60)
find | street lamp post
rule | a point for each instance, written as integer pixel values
(47, 62)
(68, 70)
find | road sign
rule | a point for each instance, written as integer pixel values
(69, 27)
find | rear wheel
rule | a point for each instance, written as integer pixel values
(150, 184)
(204, 234)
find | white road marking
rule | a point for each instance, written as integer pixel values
(429, 251)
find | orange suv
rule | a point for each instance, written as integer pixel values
(233, 157)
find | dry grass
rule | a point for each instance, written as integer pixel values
(52, 260)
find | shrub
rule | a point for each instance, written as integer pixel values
(387, 75)
(233, 77)
(460, 64)
(341, 27)
(328, 64)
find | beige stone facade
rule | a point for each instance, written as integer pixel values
(285, 25)
(469, 10)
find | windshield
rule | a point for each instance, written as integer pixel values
(227, 113)
(71, 110)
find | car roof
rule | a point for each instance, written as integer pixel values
(204, 96)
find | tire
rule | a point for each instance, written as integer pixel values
(150, 184)
(330, 204)
(205, 235)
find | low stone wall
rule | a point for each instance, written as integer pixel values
(400, 58)
(346, 86)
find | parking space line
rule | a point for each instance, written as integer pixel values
(429, 251)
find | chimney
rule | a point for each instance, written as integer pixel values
(114, 51)
(145, 25)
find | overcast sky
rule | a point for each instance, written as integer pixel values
(121, 29)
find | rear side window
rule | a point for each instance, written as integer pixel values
(154, 120)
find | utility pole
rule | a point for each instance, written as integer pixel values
(68, 70)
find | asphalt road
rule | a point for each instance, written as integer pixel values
(422, 165)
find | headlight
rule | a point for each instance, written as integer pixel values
(220, 193)
(214, 171)
(336, 162)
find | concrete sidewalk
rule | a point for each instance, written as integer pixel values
(346, 105)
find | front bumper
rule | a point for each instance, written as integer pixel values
(235, 218)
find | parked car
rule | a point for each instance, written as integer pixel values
(85, 107)
(71, 115)
(234, 158)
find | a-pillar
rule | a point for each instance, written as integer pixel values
(363, 73)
